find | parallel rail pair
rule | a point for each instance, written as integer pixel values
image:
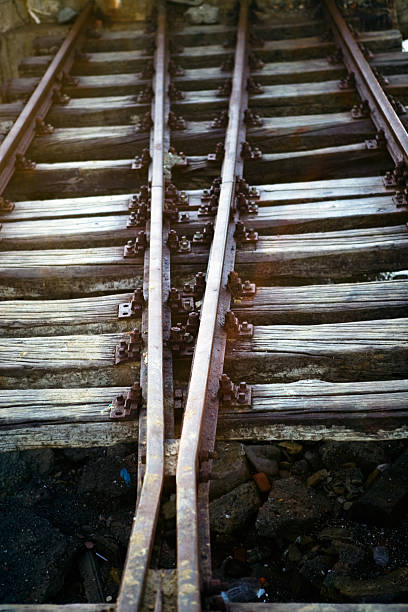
(202, 400)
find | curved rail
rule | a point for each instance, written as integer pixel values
(188, 569)
(22, 132)
(144, 525)
(382, 113)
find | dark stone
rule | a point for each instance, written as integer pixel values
(17, 468)
(102, 476)
(13, 471)
(382, 589)
(300, 468)
(291, 509)
(264, 458)
(366, 455)
(231, 511)
(314, 568)
(39, 573)
(229, 468)
(313, 460)
(386, 501)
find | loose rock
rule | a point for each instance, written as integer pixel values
(383, 589)
(231, 511)
(291, 508)
(264, 458)
(229, 468)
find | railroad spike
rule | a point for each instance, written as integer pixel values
(129, 350)
(227, 64)
(255, 63)
(174, 93)
(252, 119)
(399, 108)
(175, 70)
(400, 198)
(348, 82)
(145, 95)
(133, 308)
(253, 87)
(336, 57)
(6, 205)
(379, 142)
(397, 177)
(142, 161)
(383, 81)
(68, 80)
(60, 98)
(221, 120)
(250, 153)
(42, 128)
(22, 163)
(361, 111)
(176, 122)
(224, 90)
(148, 71)
(218, 156)
(126, 408)
(234, 396)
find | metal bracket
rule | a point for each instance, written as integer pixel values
(126, 408)
(142, 161)
(175, 70)
(240, 291)
(336, 57)
(129, 351)
(234, 396)
(243, 235)
(147, 71)
(250, 153)
(205, 236)
(397, 177)
(145, 95)
(218, 156)
(60, 98)
(400, 198)
(42, 128)
(253, 87)
(176, 122)
(349, 81)
(379, 142)
(145, 123)
(181, 303)
(227, 64)
(255, 63)
(399, 108)
(182, 337)
(136, 248)
(224, 90)
(6, 205)
(174, 93)
(22, 163)
(252, 119)
(221, 120)
(383, 81)
(361, 111)
(133, 308)
(236, 330)
(178, 245)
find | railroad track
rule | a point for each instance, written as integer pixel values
(140, 292)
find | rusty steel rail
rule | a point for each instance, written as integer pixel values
(382, 113)
(188, 561)
(144, 523)
(23, 131)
